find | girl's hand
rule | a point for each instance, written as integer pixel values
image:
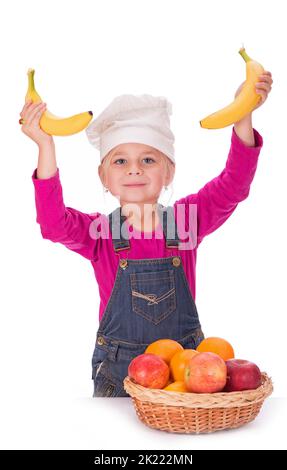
(31, 113)
(263, 87)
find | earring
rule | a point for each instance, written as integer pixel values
(106, 190)
(166, 188)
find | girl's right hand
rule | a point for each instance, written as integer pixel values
(31, 113)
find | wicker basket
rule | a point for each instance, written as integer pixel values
(197, 412)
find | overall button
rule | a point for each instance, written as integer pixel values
(100, 340)
(123, 263)
(176, 261)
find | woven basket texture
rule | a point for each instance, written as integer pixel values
(179, 412)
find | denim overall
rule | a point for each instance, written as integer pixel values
(150, 300)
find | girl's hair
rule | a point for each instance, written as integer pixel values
(107, 159)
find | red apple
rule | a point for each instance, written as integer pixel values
(205, 373)
(149, 370)
(242, 375)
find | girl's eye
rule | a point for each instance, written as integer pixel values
(122, 159)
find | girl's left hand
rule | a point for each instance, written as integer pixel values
(263, 87)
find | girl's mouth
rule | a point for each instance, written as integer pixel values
(134, 185)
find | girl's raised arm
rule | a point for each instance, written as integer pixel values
(218, 198)
(58, 223)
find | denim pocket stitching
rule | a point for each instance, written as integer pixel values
(152, 298)
(102, 385)
(165, 314)
(137, 284)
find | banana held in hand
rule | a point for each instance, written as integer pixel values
(55, 125)
(244, 102)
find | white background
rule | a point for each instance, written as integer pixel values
(84, 54)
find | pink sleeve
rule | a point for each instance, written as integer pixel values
(59, 223)
(217, 200)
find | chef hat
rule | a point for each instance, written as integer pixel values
(133, 118)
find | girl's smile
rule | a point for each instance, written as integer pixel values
(134, 185)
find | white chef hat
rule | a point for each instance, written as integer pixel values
(133, 118)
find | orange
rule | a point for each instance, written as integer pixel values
(218, 346)
(164, 348)
(177, 386)
(179, 362)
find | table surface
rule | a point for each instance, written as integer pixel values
(31, 422)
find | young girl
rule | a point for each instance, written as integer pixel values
(146, 276)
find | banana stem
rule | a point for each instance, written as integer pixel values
(243, 54)
(31, 84)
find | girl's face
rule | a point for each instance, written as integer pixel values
(136, 173)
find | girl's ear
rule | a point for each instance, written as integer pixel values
(101, 174)
(169, 174)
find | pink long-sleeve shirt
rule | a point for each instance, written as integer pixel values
(215, 202)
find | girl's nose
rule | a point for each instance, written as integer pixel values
(134, 171)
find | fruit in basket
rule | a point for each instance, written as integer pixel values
(149, 370)
(205, 372)
(242, 375)
(164, 348)
(218, 346)
(177, 386)
(179, 362)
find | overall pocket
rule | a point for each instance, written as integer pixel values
(106, 384)
(103, 387)
(153, 295)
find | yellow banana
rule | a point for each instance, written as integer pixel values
(55, 125)
(244, 102)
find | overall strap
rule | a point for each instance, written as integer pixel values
(169, 226)
(119, 232)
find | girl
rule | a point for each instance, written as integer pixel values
(146, 276)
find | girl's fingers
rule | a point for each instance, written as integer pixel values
(268, 81)
(25, 107)
(265, 78)
(266, 73)
(265, 87)
(29, 112)
(28, 108)
(35, 113)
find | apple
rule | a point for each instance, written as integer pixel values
(205, 372)
(242, 375)
(149, 370)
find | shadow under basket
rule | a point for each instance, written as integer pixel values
(197, 412)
